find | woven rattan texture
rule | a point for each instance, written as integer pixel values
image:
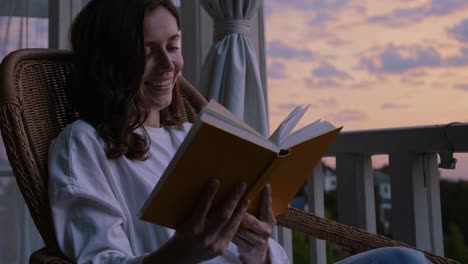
(46, 110)
(40, 112)
(352, 239)
(32, 124)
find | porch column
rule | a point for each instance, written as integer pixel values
(355, 191)
(416, 213)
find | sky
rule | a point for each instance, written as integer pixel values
(361, 64)
(366, 64)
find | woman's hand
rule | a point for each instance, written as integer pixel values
(209, 231)
(252, 242)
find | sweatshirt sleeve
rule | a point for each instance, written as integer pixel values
(88, 220)
(277, 253)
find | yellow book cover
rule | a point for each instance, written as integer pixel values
(219, 145)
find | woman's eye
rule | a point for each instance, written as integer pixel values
(173, 48)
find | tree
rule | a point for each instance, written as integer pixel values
(455, 247)
(452, 197)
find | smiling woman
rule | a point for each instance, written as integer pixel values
(109, 66)
(163, 61)
(103, 167)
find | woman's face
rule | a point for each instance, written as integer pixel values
(163, 57)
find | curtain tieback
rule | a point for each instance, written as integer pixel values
(237, 26)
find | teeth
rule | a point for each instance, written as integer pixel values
(160, 84)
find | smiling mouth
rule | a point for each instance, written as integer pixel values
(159, 84)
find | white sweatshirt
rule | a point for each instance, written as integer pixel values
(95, 201)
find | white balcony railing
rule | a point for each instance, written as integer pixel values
(414, 179)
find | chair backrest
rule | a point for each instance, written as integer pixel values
(34, 108)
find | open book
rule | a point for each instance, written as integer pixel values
(221, 145)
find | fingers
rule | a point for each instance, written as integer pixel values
(250, 237)
(204, 204)
(231, 227)
(213, 229)
(262, 229)
(240, 242)
(266, 210)
(220, 216)
(252, 248)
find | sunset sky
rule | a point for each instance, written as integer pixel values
(368, 63)
(360, 64)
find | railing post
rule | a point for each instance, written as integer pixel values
(355, 191)
(416, 214)
(315, 204)
(283, 236)
(435, 213)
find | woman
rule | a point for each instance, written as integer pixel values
(102, 168)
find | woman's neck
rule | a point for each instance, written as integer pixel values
(153, 119)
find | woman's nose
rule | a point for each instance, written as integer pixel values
(165, 62)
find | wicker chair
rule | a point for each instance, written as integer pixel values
(34, 109)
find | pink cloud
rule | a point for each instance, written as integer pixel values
(276, 70)
(460, 31)
(393, 60)
(347, 115)
(328, 102)
(326, 70)
(279, 49)
(403, 16)
(390, 105)
(461, 86)
(319, 84)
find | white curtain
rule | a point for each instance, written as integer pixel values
(230, 73)
(23, 24)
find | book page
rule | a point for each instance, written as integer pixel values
(216, 109)
(224, 119)
(288, 124)
(312, 130)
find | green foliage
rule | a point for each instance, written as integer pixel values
(333, 253)
(300, 248)
(453, 195)
(455, 247)
(454, 217)
(331, 210)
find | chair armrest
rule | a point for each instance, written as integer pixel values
(44, 256)
(352, 239)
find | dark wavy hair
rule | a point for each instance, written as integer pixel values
(107, 42)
